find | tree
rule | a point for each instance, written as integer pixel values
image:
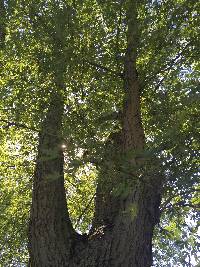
(102, 80)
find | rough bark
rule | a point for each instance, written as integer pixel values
(132, 129)
(127, 197)
(131, 212)
(50, 227)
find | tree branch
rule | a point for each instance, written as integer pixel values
(169, 65)
(164, 205)
(182, 204)
(109, 117)
(19, 125)
(85, 209)
(99, 66)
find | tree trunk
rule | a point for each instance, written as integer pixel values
(127, 197)
(50, 226)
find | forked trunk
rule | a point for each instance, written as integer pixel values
(127, 197)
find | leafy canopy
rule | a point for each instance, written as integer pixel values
(87, 40)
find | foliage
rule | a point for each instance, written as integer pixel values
(90, 37)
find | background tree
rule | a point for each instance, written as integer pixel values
(76, 63)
